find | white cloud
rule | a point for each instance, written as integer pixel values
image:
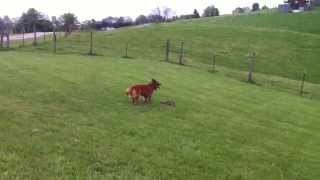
(98, 9)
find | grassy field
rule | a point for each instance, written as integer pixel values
(286, 44)
(66, 117)
(300, 22)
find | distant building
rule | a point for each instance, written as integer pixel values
(285, 8)
(295, 6)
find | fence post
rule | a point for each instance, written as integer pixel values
(126, 50)
(302, 83)
(91, 44)
(168, 50)
(213, 63)
(251, 67)
(44, 36)
(181, 54)
(54, 42)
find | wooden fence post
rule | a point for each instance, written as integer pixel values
(44, 36)
(213, 63)
(168, 50)
(302, 83)
(181, 54)
(126, 50)
(91, 44)
(251, 67)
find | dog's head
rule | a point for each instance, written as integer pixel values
(155, 84)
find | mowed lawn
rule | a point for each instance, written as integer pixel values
(66, 117)
(286, 44)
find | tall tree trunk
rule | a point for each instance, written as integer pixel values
(8, 40)
(68, 30)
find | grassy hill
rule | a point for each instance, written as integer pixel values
(66, 117)
(286, 44)
(306, 22)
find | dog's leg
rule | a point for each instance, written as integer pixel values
(145, 99)
(136, 100)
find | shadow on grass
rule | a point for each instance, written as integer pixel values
(127, 57)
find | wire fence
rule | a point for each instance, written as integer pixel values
(247, 66)
(26, 39)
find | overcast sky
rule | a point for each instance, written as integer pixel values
(98, 9)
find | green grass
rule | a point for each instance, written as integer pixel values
(293, 22)
(286, 44)
(66, 117)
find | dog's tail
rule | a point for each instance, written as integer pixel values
(132, 92)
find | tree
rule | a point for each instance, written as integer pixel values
(109, 21)
(93, 24)
(29, 21)
(238, 10)
(89, 25)
(142, 19)
(167, 13)
(211, 11)
(315, 2)
(32, 21)
(2, 31)
(265, 7)
(8, 24)
(196, 14)
(123, 21)
(255, 7)
(2, 26)
(6, 27)
(44, 24)
(69, 21)
(156, 15)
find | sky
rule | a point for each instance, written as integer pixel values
(99, 9)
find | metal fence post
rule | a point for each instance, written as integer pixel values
(181, 57)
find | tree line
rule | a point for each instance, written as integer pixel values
(33, 21)
(157, 15)
(256, 6)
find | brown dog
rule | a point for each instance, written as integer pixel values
(142, 90)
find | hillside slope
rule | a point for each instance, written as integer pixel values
(307, 22)
(286, 44)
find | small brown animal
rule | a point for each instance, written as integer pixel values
(142, 90)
